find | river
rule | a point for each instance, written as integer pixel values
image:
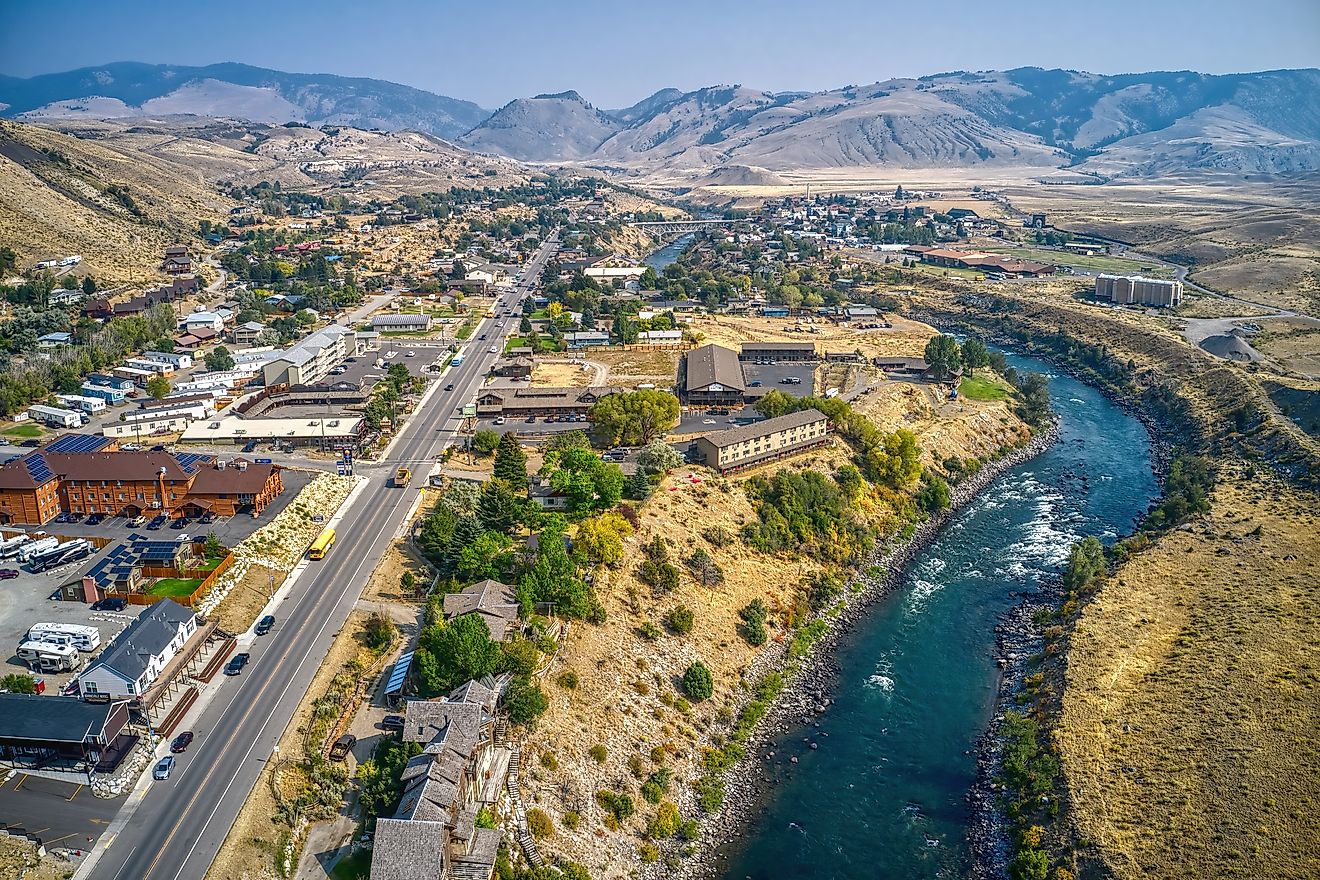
(658, 260)
(884, 796)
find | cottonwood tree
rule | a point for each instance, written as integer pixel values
(943, 355)
(634, 418)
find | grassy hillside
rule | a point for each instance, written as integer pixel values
(61, 195)
(1189, 727)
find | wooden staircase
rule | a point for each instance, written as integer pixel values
(525, 839)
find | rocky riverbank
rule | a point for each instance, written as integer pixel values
(806, 697)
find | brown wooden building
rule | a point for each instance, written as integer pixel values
(37, 487)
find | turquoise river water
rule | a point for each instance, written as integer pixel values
(884, 796)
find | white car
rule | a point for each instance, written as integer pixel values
(493, 350)
(411, 353)
(708, 421)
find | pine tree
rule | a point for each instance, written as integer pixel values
(511, 462)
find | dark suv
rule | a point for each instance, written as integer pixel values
(236, 663)
(264, 625)
(110, 603)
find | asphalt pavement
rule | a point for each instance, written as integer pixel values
(176, 829)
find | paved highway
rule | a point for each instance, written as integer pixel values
(178, 827)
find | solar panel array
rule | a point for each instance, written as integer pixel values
(118, 564)
(37, 467)
(192, 461)
(79, 443)
(399, 674)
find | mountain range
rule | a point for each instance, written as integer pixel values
(1141, 124)
(130, 89)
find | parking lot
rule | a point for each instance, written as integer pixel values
(773, 376)
(27, 598)
(392, 351)
(60, 814)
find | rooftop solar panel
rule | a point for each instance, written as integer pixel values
(36, 466)
(78, 443)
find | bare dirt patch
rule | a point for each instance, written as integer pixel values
(568, 374)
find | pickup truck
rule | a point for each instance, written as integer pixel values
(402, 477)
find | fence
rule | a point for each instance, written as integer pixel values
(208, 576)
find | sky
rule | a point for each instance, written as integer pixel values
(616, 53)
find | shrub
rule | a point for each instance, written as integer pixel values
(753, 625)
(656, 570)
(651, 793)
(704, 568)
(549, 761)
(539, 823)
(649, 631)
(599, 753)
(664, 824)
(620, 806)
(680, 619)
(648, 853)
(486, 818)
(717, 536)
(524, 701)
(568, 680)
(636, 766)
(689, 829)
(698, 682)
(571, 820)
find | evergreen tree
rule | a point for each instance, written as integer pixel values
(511, 461)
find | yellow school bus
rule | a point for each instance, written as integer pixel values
(322, 544)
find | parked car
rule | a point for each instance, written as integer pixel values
(181, 742)
(755, 383)
(96, 519)
(110, 603)
(132, 447)
(250, 446)
(180, 523)
(339, 751)
(30, 443)
(207, 518)
(236, 663)
(264, 625)
(8, 574)
(159, 447)
(411, 353)
(158, 521)
(136, 521)
(392, 722)
(499, 420)
(163, 768)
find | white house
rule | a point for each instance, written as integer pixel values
(178, 361)
(200, 320)
(135, 659)
(660, 337)
(484, 275)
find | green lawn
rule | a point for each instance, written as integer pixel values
(979, 388)
(468, 326)
(515, 342)
(174, 587)
(1098, 263)
(27, 432)
(354, 867)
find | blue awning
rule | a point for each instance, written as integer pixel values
(399, 674)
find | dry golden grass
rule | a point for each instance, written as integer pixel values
(639, 365)
(906, 338)
(563, 374)
(1191, 721)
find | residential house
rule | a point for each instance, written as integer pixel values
(493, 601)
(54, 340)
(176, 261)
(514, 368)
(433, 835)
(546, 496)
(660, 337)
(586, 338)
(202, 321)
(248, 333)
(745, 445)
(131, 663)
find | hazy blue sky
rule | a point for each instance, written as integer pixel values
(616, 53)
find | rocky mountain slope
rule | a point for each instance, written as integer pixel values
(1141, 124)
(237, 90)
(560, 127)
(1133, 124)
